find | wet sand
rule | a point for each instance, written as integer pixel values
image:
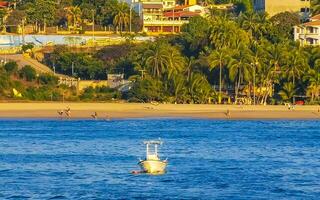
(134, 110)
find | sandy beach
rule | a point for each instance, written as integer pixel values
(133, 110)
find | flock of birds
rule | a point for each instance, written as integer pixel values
(67, 113)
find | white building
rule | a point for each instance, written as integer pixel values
(309, 32)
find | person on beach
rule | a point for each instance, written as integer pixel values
(60, 113)
(228, 114)
(68, 112)
(95, 115)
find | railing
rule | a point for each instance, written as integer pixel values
(165, 22)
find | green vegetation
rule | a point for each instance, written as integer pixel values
(76, 15)
(240, 57)
(220, 59)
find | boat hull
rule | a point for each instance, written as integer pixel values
(153, 166)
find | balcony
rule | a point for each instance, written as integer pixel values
(165, 22)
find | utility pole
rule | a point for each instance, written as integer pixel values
(72, 68)
(93, 38)
(130, 17)
(173, 21)
(22, 32)
(54, 69)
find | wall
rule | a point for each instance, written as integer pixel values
(273, 7)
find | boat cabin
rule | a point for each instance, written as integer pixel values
(152, 149)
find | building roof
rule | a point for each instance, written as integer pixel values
(315, 18)
(313, 23)
(4, 4)
(150, 6)
(181, 7)
(181, 14)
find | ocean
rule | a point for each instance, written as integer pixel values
(208, 159)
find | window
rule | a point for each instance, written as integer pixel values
(304, 10)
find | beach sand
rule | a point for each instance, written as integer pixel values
(135, 110)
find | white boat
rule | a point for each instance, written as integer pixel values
(153, 164)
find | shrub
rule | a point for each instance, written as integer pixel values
(27, 73)
(27, 47)
(11, 67)
(48, 79)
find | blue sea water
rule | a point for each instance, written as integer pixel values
(208, 159)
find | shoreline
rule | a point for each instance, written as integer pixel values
(147, 110)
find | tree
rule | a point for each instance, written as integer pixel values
(74, 14)
(195, 34)
(11, 67)
(283, 23)
(313, 89)
(27, 73)
(243, 6)
(315, 4)
(41, 12)
(254, 23)
(199, 88)
(219, 58)
(157, 59)
(27, 47)
(296, 65)
(121, 16)
(15, 19)
(176, 62)
(240, 68)
(287, 92)
(180, 90)
(3, 14)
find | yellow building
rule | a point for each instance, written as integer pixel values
(273, 7)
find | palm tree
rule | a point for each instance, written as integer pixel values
(219, 58)
(254, 23)
(190, 65)
(313, 89)
(240, 68)
(180, 90)
(74, 14)
(121, 16)
(297, 64)
(199, 88)
(176, 62)
(315, 7)
(224, 33)
(287, 91)
(157, 59)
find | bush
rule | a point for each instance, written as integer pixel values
(27, 73)
(11, 67)
(48, 79)
(27, 47)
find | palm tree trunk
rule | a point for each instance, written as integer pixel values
(238, 84)
(220, 86)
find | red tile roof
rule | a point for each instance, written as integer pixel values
(316, 17)
(314, 23)
(181, 7)
(150, 6)
(4, 4)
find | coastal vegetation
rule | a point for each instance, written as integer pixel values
(76, 16)
(227, 57)
(224, 58)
